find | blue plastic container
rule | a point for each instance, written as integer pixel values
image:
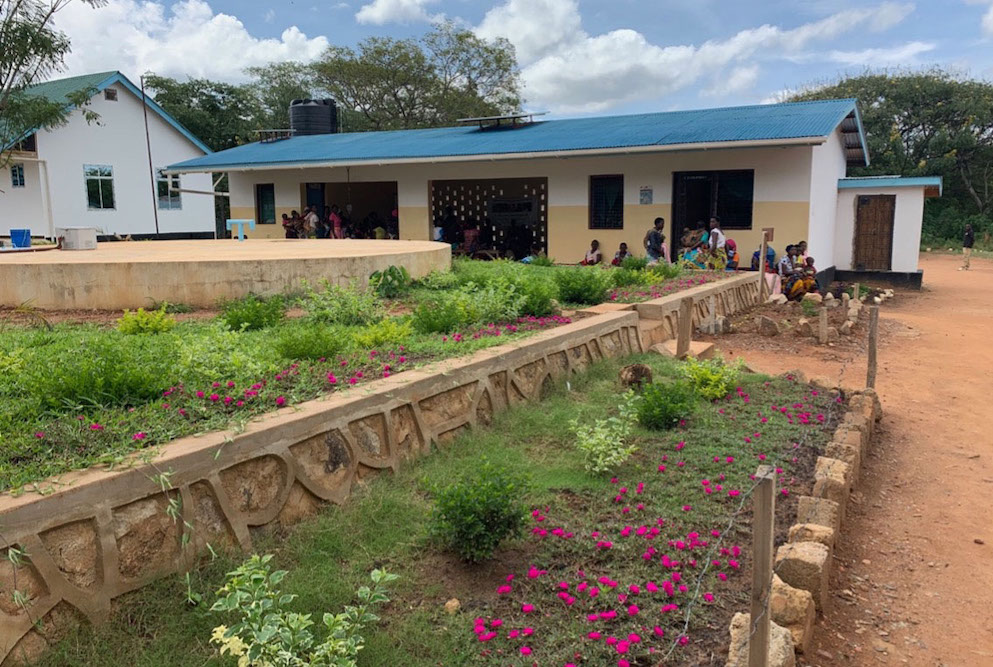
(20, 238)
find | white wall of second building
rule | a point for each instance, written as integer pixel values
(827, 165)
(907, 220)
(782, 191)
(21, 207)
(118, 140)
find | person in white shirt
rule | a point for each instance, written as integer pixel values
(310, 220)
(717, 238)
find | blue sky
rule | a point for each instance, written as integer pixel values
(577, 56)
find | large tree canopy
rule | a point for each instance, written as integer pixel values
(928, 123)
(32, 50)
(406, 83)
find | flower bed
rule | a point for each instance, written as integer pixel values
(614, 568)
(639, 293)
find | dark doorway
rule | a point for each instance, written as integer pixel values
(873, 244)
(699, 195)
(265, 204)
(510, 214)
(365, 205)
(315, 197)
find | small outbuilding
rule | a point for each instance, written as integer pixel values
(557, 185)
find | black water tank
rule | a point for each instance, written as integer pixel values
(313, 116)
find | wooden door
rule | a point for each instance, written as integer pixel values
(873, 243)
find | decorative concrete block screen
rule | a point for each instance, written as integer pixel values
(727, 297)
(108, 532)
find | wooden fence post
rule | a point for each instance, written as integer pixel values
(685, 332)
(822, 326)
(763, 530)
(856, 290)
(763, 286)
(870, 376)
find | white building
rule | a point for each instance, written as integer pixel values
(559, 184)
(96, 174)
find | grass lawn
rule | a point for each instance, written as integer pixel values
(77, 395)
(650, 524)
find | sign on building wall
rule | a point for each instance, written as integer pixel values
(646, 195)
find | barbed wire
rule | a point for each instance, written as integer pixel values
(735, 516)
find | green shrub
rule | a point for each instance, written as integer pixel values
(538, 295)
(218, 354)
(664, 271)
(469, 306)
(809, 308)
(310, 340)
(266, 633)
(385, 332)
(349, 306)
(711, 378)
(104, 368)
(173, 308)
(253, 312)
(624, 277)
(144, 321)
(474, 515)
(439, 280)
(603, 443)
(633, 263)
(542, 260)
(582, 284)
(662, 405)
(391, 282)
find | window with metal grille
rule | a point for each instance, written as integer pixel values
(17, 175)
(99, 186)
(733, 199)
(110, 94)
(607, 202)
(700, 195)
(167, 191)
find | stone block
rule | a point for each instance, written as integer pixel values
(793, 609)
(781, 652)
(812, 532)
(850, 453)
(804, 327)
(846, 328)
(832, 480)
(813, 297)
(804, 565)
(778, 299)
(853, 433)
(821, 511)
(767, 326)
(832, 335)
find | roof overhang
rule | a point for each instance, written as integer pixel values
(853, 139)
(494, 157)
(932, 185)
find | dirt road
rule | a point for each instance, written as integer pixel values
(914, 570)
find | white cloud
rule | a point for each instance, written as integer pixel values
(187, 40)
(380, 12)
(270, 16)
(905, 54)
(567, 69)
(986, 24)
(741, 79)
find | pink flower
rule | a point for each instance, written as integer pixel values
(708, 597)
(96, 427)
(352, 380)
(280, 401)
(240, 403)
(594, 635)
(215, 398)
(332, 379)
(687, 508)
(527, 608)
(633, 610)
(140, 435)
(200, 394)
(785, 492)
(503, 590)
(496, 623)
(527, 632)
(39, 435)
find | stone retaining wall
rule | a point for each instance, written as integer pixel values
(803, 565)
(108, 533)
(103, 534)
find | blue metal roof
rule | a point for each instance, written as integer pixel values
(58, 90)
(890, 182)
(757, 123)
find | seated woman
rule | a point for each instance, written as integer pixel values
(621, 254)
(697, 256)
(732, 254)
(593, 255)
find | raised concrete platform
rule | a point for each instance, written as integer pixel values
(199, 273)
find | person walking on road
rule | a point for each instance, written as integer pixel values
(968, 239)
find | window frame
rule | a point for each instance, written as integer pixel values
(174, 199)
(591, 222)
(100, 178)
(110, 94)
(17, 179)
(258, 204)
(714, 177)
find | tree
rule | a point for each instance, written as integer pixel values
(928, 123)
(32, 51)
(275, 85)
(407, 83)
(222, 115)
